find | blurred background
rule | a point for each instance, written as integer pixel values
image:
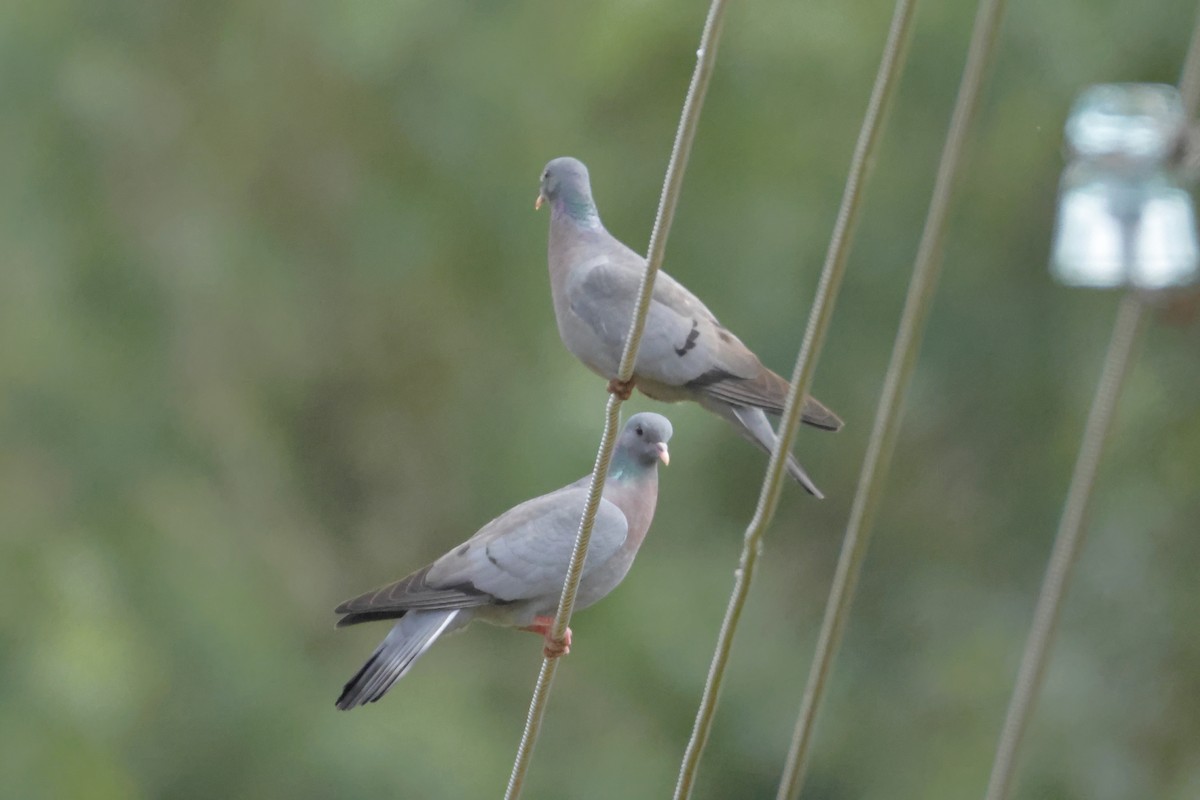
(276, 329)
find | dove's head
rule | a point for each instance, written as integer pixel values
(565, 185)
(644, 439)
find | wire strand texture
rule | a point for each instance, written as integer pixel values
(926, 271)
(673, 183)
(1068, 541)
(862, 161)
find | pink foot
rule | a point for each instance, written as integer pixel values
(621, 389)
(552, 649)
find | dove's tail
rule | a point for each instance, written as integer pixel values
(408, 639)
(752, 424)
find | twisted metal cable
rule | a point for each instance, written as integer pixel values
(887, 78)
(1069, 539)
(887, 418)
(1066, 544)
(705, 61)
(1189, 79)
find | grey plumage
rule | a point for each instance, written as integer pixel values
(511, 572)
(685, 353)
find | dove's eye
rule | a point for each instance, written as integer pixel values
(638, 430)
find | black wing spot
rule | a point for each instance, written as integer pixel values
(690, 342)
(369, 616)
(724, 335)
(467, 588)
(488, 552)
(462, 551)
(709, 378)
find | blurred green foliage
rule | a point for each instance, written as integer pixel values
(276, 329)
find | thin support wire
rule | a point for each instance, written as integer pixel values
(1189, 80)
(890, 68)
(1069, 538)
(882, 443)
(1066, 544)
(706, 58)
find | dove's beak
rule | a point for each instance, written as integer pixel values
(541, 198)
(663, 454)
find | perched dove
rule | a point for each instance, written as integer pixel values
(685, 354)
(511, 572)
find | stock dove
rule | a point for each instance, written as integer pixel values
(685, 354)
(511, 572)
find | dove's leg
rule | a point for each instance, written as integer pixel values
(621, 389)
(544, 626)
